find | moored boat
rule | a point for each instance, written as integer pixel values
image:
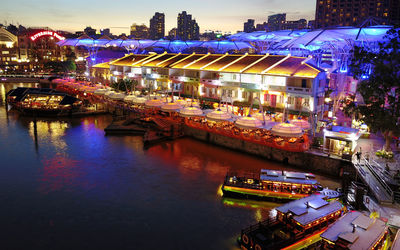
(297, 224)
(43, 102)
(271, 184)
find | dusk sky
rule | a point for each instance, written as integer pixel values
(73, 15)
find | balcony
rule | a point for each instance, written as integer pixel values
(134, 75)
(277, 88)
(184, 79)
(210, 82)
(298, 90)
(155, 76)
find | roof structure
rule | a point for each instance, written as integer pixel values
(132, 59)
(276, 65)
(312, 40)
(165, 45)
(356, 229)
(396, 241)
(105, 65)
(288, 177)
(21, 93)
(310, 209)
(6, 36)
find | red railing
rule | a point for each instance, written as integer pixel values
(297, 146)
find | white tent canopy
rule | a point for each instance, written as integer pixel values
(171, 107)
(248, 122)
(117, 96)
(219, 116)
(139, 100)
(154, 103)
(191, 112)
(259, 116)
(287, 130)
(301, 123)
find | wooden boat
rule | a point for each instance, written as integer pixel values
(297, 224)
(271, 184)
(43, 102)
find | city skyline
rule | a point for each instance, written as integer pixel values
(227, 16)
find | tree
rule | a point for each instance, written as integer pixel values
(125, 85)
(379, 73)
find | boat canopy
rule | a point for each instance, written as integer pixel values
(310, 209)
(288, 177)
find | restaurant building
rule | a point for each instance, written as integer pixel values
(279, 83)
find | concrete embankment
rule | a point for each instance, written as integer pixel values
(304, 160)
(19, 79)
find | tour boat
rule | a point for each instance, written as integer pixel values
(297, 224)
(42, 101)
(271, 184)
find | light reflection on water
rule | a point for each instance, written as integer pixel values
(71, 187)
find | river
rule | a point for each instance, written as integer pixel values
(71, 187)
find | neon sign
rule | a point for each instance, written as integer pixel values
(47, 33)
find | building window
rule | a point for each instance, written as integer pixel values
(303, 83)
(290, 100)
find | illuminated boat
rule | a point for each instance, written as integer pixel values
(43, 102)
(297, 224)
(271, 184)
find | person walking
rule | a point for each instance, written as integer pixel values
(358, 154)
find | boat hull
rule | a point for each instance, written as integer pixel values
(259, 194)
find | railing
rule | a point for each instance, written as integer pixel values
(266, 224)
(23, 75)
(250, 137)
(385, 186)
(298, 89)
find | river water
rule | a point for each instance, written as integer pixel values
(71, 187)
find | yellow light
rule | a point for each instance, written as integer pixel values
(274, 93)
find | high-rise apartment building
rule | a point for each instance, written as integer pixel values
(262, 26)
(105, 32)
(355, 12)
(276, 22)
(172, 34)
(90, 31)
(188, 29)
(296, 25)
(139, 31)
(249, 26)
(157, 26)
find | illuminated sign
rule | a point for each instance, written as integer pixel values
(47, 33)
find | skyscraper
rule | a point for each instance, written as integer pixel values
(262, 26)
(355, 12)
(249, 26)
(296, 25)
(90, 31)
(276, 22)
(188, 29)
(139, 31)
(172, 34)
(157, 26)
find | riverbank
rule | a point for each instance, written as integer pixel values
(304, 160)
(19, 79)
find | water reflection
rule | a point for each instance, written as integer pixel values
(115, 194)
(49, 131)
(59, 172)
